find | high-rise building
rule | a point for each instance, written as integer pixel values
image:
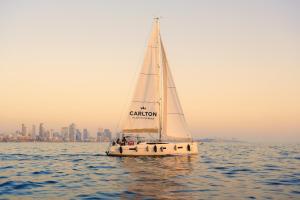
(33, 132)
(99, 134)
(57, 136)
(65, 133)
(72, 132)
(78, 135)
(41, 131)
(46, 135)
(106, 137)
(24, 130)
(85, 135)
(50, 137)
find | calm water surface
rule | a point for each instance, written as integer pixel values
(82, 171)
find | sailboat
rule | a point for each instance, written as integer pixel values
(154, 110)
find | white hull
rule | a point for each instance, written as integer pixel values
(154, 149)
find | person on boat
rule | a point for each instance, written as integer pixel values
(124, 141)
(118, 141)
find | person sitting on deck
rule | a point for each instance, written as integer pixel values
(118, 141)
(124, 141)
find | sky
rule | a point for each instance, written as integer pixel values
(236, 64)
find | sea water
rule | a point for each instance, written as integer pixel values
(82, 171)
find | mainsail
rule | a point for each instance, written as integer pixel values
(155, 106)
(143, 114)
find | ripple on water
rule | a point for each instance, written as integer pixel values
(17, 185)
(286, 181)
(77, 160)
(41, 172)
(6, 167)
(101, 167)
(270, 167)
(295, 192)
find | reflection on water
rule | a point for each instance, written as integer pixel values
(82, 171)
(158, 177)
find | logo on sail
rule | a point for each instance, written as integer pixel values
(143, 114)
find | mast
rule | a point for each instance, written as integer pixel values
(162, 80)
(158, 57)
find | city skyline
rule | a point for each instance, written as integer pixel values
(70, 133)
(29, 126)
(236, 64)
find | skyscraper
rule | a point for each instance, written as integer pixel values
(106, 135)
(33, 132)
(99, 134)
(85, 135)
(50, 137)
(24, 130)
(65, 133)
(72, 132)
(78, 135)
(41, 131)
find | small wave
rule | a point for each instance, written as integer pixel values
(291, 181)
(230, 171)
(50, 182)
(106, 195)
(77, 160)
(243, 170)
(100, 167)
(191, 191)
(41, 172)
(295, 192)
(6, 167)
(220, 168)
(20, 185)
(270, 167)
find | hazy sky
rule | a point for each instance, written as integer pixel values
(236, 64)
